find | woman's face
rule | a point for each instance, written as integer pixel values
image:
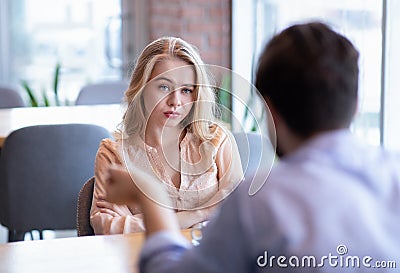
(170, 93)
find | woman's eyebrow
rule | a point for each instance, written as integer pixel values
(189, 85)
(163, 78)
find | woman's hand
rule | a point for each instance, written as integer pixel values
(111, 208)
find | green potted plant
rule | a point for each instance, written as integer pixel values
(34, 101)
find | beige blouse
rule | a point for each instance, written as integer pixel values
(205, 180)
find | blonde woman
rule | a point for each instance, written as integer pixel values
(170, 130)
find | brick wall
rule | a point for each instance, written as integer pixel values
(204, 23)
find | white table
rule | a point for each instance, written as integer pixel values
(100, 254)
(108, 116)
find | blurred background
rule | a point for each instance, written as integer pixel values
(98, 40)
(94, 41)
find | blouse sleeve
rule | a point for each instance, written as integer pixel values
(104, 223)
(230, 172)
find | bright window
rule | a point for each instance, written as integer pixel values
(84, 36)
(367, 23)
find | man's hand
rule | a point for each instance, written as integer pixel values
(148, 192)
(119, 187)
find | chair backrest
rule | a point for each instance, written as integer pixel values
(251, 145)
(10, 98)
(41, 172)
(84, 205)
(102, 93)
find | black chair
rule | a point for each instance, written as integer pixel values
(10, 98)
(84, 205)
(41, 172)
(111, 92)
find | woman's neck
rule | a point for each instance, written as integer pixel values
(157, 137)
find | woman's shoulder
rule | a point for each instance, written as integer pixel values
(107, 152)
(109, 145)
(107, 142)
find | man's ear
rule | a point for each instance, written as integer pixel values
(275, 115)
(273, 121)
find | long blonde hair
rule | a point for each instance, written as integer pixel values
(204, 110)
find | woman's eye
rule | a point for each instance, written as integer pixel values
(164, 87)
(187, 90)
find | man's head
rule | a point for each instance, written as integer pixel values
(309, 75)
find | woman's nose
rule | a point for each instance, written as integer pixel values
(174, 98)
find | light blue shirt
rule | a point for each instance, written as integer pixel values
(331, 206)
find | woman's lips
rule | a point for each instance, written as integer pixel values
(171, 114)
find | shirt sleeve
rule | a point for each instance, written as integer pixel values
(223, 248)
(160, 247)
(104, 223)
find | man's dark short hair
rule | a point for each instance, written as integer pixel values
(309, 73)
